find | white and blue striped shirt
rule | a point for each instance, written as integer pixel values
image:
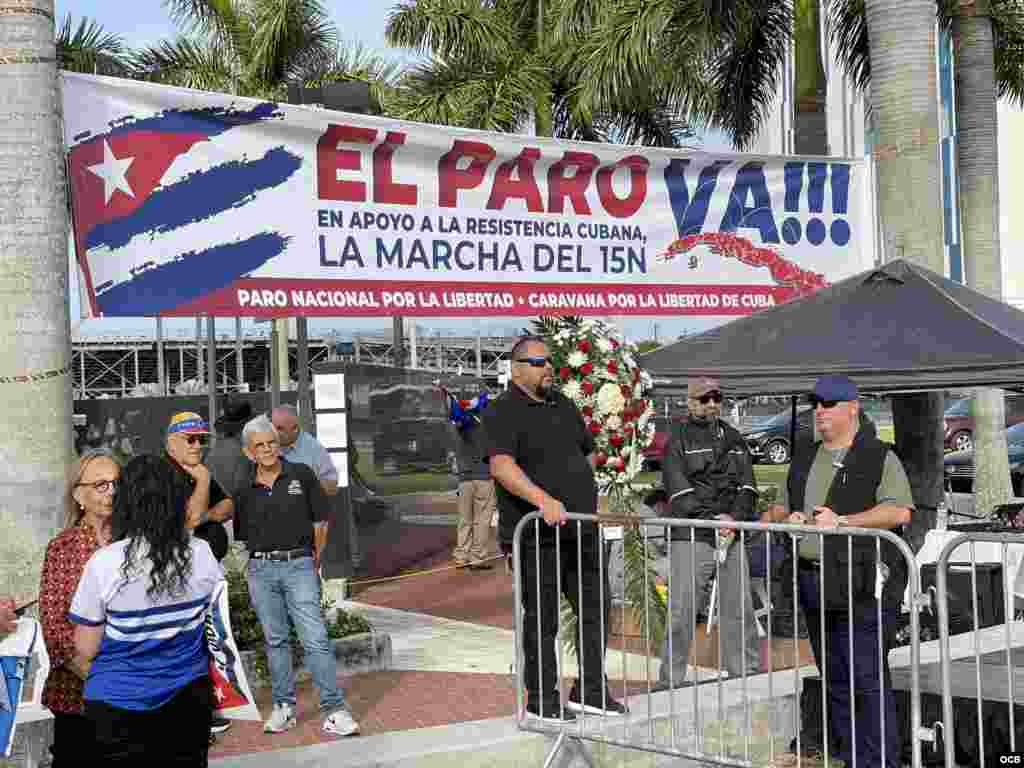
(150, 650)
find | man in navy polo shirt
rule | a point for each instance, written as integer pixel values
(542, 458)
(278, 510)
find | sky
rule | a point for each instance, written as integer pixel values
(145, 22)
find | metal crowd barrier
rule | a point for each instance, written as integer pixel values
(685, 732)
(980, 648)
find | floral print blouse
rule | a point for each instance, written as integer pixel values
(66, 556)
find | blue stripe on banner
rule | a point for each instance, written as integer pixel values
(212, 121)
(158, 611)
(76, 619)
(156, 627)
(190, 277)
(199, 196)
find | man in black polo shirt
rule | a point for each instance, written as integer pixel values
(541, 457)
(277, 511)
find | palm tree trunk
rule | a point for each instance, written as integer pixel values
(542, 118)
(810, 122)
(35, 348)
(901, 34)
(978, 170)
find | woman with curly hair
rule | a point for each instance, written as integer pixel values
(139, 613)
(89, 505)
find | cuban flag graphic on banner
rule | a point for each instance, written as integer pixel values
(172, 187)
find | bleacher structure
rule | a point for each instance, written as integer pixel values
(123, 366)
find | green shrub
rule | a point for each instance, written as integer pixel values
(249, 634)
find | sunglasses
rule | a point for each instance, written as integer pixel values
(535, 362)
(715, 397)
(100, 486)
(193, 439)
(826, 404)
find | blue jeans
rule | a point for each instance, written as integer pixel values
(872, 697)
(291, 589)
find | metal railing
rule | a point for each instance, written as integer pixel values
(643, 724)
(1009, 634)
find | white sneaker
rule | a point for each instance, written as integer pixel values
(281, 719)
(340, 723)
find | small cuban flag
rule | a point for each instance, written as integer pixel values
(464, 413)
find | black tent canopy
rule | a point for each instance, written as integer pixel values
(897, 328)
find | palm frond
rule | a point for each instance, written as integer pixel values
(285, 33)
(493, 96)
(88, 48)
(847, 28)
(450, 29)
(190, 63)
(1008, 29)
(745, 73)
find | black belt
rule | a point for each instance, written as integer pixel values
(283, 554)
(809, 565)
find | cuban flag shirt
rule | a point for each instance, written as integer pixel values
(150, 649)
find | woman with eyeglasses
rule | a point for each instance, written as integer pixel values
(139, 612)
(89, 502)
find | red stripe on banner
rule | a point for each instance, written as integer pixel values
(273, 297)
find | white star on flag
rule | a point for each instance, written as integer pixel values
(112, 170)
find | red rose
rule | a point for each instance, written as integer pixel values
(627, 391)
(564, 373)
(600, 458)
(627, 415)
(587, 411)
(628, 429)
(595, 427)
(586, 369)
(587, 387)
(641, 406)
(616, 440)
(612, 366)
(583, 346)
(614, 343)
(621, 466)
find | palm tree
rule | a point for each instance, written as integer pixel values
(246, 47)
(35, 344)
(354, 62)
(493, 65)
(989, 63)
(88, 48)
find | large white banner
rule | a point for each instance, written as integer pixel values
(191, 203)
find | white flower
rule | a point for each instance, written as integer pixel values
(604, 345)
(612, 423)
(572, 390)
(610, 399)
(577, 358)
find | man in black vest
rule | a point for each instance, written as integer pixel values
(708, 475)
(849, 479)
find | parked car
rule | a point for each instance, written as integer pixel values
(770, 441)
(959, 424)
(959, 465)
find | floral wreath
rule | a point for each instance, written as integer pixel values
(597, 370)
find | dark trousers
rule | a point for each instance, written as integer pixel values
(871, 698)
(72, 740)
(176, 734)
(589, 612)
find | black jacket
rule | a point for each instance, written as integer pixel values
(707, 472)
(854, 489)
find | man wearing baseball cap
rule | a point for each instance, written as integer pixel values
(708, 475)
(849, 478)
(208, 506)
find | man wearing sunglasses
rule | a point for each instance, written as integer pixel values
(849, 478)
(208, 505)
(541, 457)
(708, 475)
